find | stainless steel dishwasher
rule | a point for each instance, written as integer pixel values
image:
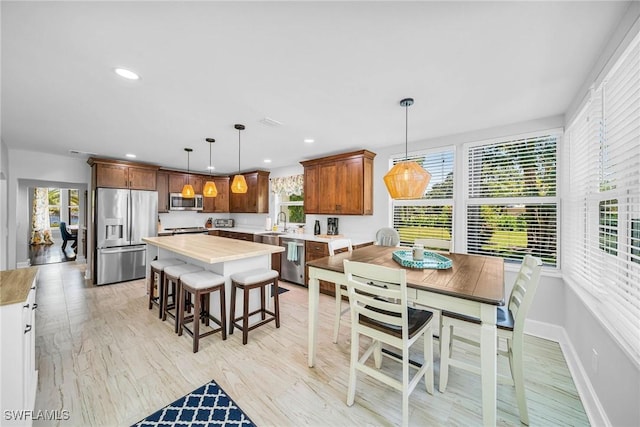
(292, 260)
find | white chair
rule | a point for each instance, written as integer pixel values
(335, 245)
(381, 313)
(387, 236)
(438, 245)
(510, 323)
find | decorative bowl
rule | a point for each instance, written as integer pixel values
(431, 260)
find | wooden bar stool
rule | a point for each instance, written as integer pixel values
(201, 284)
(172, 274)
(157, 268)
(247, 280)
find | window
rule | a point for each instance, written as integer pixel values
(602, 209)
(54, 207)
(431, 216)
(289, 197)
(74, 207)
(511, 190)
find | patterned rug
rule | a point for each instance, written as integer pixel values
(209, 405)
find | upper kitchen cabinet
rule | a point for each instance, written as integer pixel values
(256, 199)
(177, 180)
(120, 174)
(220, 203)
(163, 191)
(339, 185)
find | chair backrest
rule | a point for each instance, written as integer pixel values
(64, 232)
(374, 291)
(337, 244)
(435, 244)
(387, 236)
(524, 289)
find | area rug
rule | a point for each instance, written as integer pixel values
(208, 405)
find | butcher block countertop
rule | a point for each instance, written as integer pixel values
(15, 284)
(211, 249)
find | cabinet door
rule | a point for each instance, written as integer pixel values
(221, 201)
(162, 185)
(197, 181)
(311, 190)
(252, 192)
(327, 188)
(112, 176)
(142, 179)
(176, 182)
(349, 189)
(238, 202)
(315, 250)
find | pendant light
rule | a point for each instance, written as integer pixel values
(407, 179)
(239, 184)
(210, 189)
(187, 190)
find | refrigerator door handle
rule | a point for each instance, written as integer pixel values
(121, 250)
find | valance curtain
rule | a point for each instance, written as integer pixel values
(40, 231)
(288, 185)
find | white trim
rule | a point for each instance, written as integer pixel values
(592, 406)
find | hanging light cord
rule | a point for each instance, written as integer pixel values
(406, 131)
(239, 151)
(210, 159)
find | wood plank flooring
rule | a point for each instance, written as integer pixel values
(108, 360)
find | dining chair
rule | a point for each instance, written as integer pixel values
(67, 235)
(438, 245)
(510, 327)
(379, 310)
(341, 290)
(387, 236)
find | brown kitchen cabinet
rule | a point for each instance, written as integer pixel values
(108, 173)
(315, 250)
(256, 199)
(220, 203)
(163, 191)
(177, 180)
(339, 185)
(236, 235)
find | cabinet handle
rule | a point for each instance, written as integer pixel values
(25, 306)
(35, 305)
(33, 287)
(27, 329)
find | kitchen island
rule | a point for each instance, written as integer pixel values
(219, 255)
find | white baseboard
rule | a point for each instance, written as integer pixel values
(24, 264)
(592, 407)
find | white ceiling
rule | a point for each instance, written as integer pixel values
(332, 71)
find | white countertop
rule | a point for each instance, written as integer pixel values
(355, 240)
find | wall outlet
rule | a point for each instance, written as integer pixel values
(594, 360)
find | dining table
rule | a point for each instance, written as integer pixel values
(473, 286)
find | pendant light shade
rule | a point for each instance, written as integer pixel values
(187, 190)
(239, 184)
(210, 189)
(407, 180)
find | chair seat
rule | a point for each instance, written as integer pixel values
(179, 270)
(254, 276)
(504, 318)
(417, 319)
(161, 264)
(201, 280)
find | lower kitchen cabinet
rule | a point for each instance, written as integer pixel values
(17, 355)
(315, 250)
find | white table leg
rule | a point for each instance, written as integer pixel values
(488, 362)
(314, 297)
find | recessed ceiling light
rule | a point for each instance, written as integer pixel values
(127, 74)
(267, 160)
(309, 140)
(131, 156)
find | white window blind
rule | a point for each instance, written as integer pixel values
(602, 212)
(512, 205)
(431, 216)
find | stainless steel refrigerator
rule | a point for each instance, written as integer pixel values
(123, 218)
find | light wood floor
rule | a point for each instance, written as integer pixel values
(108, 360)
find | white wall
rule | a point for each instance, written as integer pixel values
(4, 203)
(29, 169)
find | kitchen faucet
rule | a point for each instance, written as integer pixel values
(285, 220)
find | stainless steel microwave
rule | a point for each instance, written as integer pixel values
(179, 203)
